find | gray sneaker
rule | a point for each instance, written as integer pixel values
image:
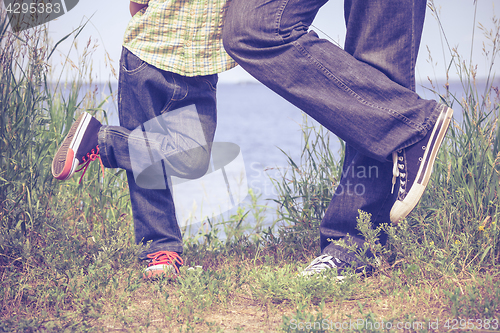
(324, 263)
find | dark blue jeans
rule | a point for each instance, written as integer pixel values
(364, 93)
(146, 95)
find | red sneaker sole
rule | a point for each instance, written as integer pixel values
(64, 162)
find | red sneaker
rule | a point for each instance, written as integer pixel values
(163, 264)
(78, 148)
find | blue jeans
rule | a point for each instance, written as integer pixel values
(364, 93)
(146, 95)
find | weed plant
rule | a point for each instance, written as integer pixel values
(305, 190)
(454, 229)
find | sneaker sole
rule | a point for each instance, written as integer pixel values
(64, 163)
(401, 209)
(160, 272)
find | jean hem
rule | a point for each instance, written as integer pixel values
(144, 255)
(428, 125)
(103, 148)
(341, 254)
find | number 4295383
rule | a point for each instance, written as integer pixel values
(471, 324)
(33, 8)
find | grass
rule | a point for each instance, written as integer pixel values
(68, 260)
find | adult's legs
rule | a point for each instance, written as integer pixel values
(353, 99)
(158, 111)
(376, 36)
(364, 94)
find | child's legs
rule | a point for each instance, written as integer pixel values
(151, 129)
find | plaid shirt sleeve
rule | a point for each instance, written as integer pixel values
(180, 36)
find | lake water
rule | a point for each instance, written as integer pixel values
(261, 123)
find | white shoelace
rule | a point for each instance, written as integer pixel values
(395, 170)
(321, 263)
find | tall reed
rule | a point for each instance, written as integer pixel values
(51, 232)
(26, 185)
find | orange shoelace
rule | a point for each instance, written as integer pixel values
(92, 156)
(165, 258)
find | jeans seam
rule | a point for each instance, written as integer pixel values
(412, 47)
(177, 88)
(427, 127)
(206, 81)
(348, 90)
(278, 20)
(135, 70)
(101, 137)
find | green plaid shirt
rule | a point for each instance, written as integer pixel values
(180, 36)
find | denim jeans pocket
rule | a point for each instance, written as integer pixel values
(210, 81)
(179, 86)
(131, 63)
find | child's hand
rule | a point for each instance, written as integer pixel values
(135, 7)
